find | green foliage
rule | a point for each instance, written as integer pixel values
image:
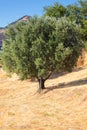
(69, 49)
(79, 13)
(84, 30)
(75, 12)
(55, 11)
(83, 8)
(0, 57)
(40, 46)
(85, 44)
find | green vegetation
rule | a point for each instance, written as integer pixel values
(75, 12)
(40, 46)
(0, 58)
(55, 11)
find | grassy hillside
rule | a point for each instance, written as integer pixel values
(62, 106)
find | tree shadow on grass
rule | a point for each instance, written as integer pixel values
(58, 74)
(66, 85)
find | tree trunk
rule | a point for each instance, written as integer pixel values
(41, 84)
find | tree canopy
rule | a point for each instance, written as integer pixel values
(40, 46)
(57, 10)
(76, 12)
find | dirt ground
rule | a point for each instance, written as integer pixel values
(62, 106)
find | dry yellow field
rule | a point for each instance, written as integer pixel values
(62, 106)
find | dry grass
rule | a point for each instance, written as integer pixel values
(62, 106)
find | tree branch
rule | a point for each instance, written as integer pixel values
(48, 76)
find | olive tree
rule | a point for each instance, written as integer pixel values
(40, 46)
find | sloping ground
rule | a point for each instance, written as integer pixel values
(62, 106)
(82, 60)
